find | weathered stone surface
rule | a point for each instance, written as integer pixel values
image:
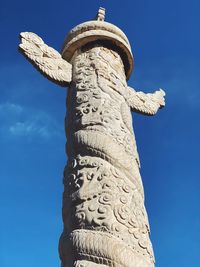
(105, 221)
(46, 59)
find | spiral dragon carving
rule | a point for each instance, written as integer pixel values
(105, 221)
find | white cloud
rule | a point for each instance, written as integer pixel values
(9, 111)
(22, 121)
(29, 128)
(10, 108)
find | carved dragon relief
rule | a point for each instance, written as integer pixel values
(105, 221)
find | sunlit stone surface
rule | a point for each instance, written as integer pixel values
(105, 221)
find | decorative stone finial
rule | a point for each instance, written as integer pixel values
(99, 31)
(101, 14)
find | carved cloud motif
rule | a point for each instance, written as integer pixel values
(46, 59)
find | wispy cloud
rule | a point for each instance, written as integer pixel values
(11, 108)
(20, 121)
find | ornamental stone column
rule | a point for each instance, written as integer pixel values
(105, 221)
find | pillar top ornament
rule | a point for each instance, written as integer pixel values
(99, 31)
(101, 14)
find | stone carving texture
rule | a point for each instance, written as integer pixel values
(105, 221)
(46, 59)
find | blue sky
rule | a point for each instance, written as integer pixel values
(165, 41)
